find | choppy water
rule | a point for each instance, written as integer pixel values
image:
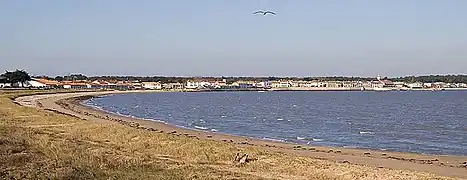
(424, 122)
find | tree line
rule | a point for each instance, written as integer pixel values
(16, 78)
(19, 77)
(434, 78)
(229, 79)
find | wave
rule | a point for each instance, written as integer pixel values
(200, 127)
(308, 139)
(121, 114)
(272, 139)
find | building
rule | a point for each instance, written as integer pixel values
(36, 84)
(124, 85)
(263, 84)
(281, 84)
(4, 82)
(417, 85)
(43, 83)
(172, 86)
(151, 85)
(334, 84)
(76, 85)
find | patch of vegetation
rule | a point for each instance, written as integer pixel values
(37, 144)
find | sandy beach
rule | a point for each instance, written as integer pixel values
(451, 166)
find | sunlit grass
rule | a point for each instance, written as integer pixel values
(37, 144)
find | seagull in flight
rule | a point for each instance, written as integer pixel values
(264, 12)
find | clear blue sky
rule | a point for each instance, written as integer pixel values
(223, 37)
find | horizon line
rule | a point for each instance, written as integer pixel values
(221, 76)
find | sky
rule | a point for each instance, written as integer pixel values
(224, 38)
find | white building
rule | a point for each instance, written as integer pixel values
(281, 84)
(4, 85)
(263, 84)
(197, 84)
(36, 84)
(428, 85)
(151, 85)
(415, 85)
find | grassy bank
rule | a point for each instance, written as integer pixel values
(36, 144)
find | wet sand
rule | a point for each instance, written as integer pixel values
(453, 166)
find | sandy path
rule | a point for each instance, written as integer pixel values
(454, 166)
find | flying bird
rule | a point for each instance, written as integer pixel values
(264, 12)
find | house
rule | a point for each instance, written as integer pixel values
(198, 84)
(151, 85)
(351, 84)
(219, 84)
(308, 84)
(428, 85)
(399, 84)
(334, 84)
(101, 84)
(136, 85)
(388, 83)
(36, 84)
(245, 84)
(281, 84)
(295, 83)
(43, 83)
(376, 84)
(417, 85)
(263, 84)
(124, 85)
(4, 82)
(76, 85)
(172, 86)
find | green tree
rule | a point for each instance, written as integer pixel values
(58, 78)
(17, 77)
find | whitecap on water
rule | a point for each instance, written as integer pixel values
(271, 139)
(314, 139)
(223, 116)
(280, 119)
(366, 132)
(214, 130)
(300, 138)
(201, 127)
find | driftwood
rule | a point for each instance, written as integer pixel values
(241, 159)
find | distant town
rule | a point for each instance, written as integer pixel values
(20, 79)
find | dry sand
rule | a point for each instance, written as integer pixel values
(452, 166)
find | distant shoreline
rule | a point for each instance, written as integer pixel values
(320, 89)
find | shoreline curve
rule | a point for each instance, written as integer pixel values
(69, 104)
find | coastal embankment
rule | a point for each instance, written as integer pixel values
(209, 155)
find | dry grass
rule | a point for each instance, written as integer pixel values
(37, 144)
